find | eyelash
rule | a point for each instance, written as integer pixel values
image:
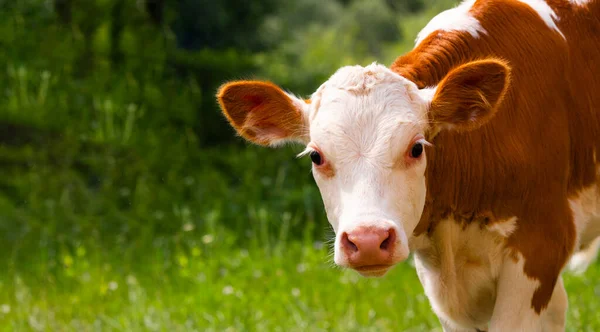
(315, 155)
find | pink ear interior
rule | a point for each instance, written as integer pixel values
(260, 111)
(254, 101)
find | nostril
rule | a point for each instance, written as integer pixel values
(346, 243)
(384, 245)
(389, 240)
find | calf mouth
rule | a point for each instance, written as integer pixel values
(378, 270)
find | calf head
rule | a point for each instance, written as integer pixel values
(366, 130)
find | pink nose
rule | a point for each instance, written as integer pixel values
(369, 246)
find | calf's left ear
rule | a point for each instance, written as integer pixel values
(469, 95)
(263, 113)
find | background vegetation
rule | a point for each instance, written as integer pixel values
(126, 201)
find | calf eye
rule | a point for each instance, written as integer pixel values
(316, 158)
(417, 150)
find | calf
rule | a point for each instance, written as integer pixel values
(476, 151)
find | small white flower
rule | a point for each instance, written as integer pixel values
(85, 277)
(301, 268)
(208, 238)
(227, 290)
(372, 314)
(113, 285)
(131, 280)
(187, 227)
(5, 308)
(295, 292)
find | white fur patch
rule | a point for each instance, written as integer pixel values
(455, 19)
(586, 209)
(581, 260)
(513, 311)
(580, 2)
(546, 13)
(586, 216)
(554, 317)
(504, 228)
(458, 270)
(361, 80)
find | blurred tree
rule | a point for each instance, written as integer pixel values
(410, 6)
(221, 24)
(63, 10)
(372, 23)
(105, 102)
(296, 43)
(155, 9)
(293, 18)
(116, 29)
(310, 39)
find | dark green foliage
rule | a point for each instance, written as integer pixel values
(221, 24)
(108, 114)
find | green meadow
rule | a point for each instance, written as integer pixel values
(128, 204)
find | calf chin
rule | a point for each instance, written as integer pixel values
(374, 271)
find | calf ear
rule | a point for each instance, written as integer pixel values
(263, 113)
(469, 95)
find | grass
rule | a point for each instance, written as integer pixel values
(196, 281)
(208, 287)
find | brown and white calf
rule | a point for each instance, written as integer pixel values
(477, 151)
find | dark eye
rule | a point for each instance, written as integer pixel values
(316, 158)
(417, 150)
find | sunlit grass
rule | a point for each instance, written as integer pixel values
(202, 282)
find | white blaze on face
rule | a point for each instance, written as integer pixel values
(364, 121)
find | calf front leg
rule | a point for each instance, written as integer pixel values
(554, 318)
(513, 310)
(527, 295)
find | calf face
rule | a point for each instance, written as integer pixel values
(366, 130)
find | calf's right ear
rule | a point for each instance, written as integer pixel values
(263, 113)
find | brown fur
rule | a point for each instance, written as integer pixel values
(537, 152)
